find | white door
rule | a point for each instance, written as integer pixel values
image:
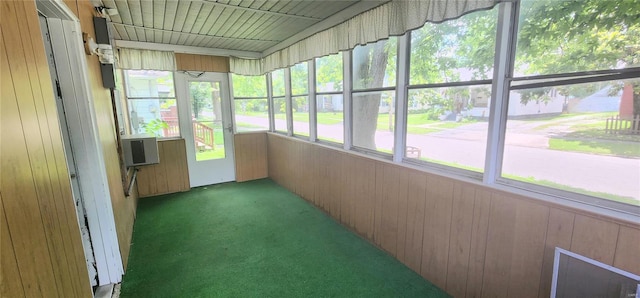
(204, 109)
(71, 163)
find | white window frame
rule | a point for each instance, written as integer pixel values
(500, 87)
(352, 92)
(233, 107)
(127, 99)
(308, 95)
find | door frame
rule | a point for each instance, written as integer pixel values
(182, 79)
(69, 56)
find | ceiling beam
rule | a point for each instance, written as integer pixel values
(279, 14)
(186, 49)
(338, 18)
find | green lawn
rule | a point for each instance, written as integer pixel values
(253, 114)
(330, 118)
(596, 146)
(211, 154)
(416, 123)
(578, 121)
(249, 126)
(588, 136)
(218, 137)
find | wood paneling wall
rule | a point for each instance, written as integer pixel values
(41, 249)
(170, 175)
(250, 156)
(124, 208)
(202, 63)
(470, 240)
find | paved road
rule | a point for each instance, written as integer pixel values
(526, 155)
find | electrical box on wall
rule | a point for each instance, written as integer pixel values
(140, 149)
(108, 78)
(102, 30)
(105, 52)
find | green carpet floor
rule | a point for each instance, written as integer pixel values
(256, 239)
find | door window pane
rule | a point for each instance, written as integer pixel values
(206, 119)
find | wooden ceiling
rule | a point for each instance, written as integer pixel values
(241, 25)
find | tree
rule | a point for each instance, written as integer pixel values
(329, 73)
(277, 82)
(299, 85)
(572, 36)
(555, 36)
(201, 92)
(250, 87)
(370, 67)
(456, 50)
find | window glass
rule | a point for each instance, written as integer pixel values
(206, 119)
(280, 114)
(374, 64)
(251, 107)
(558, 36)
(249, 86)
(329, 73)
(449, 125)
(456, 50)
(120, 101)
(578, 138)
(151, 103)
(149, 83)
(300, 106)
(330, 117)
(373, 120)
(329, 104)
(300, 79)
(277, 82)
(251, 114)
